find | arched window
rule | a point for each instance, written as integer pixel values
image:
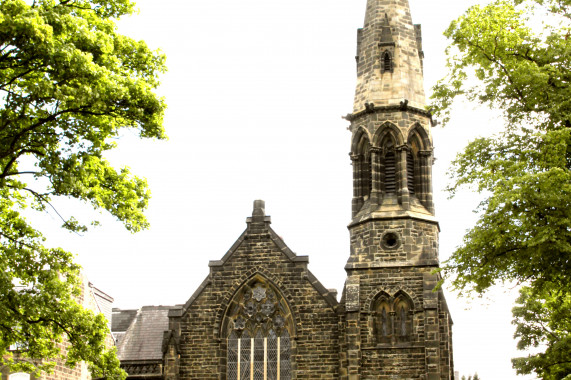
(257, 323)
(392, 318)
(403, 317)
(413, 166)
(383, 320)
(387, 62)
(364, 152)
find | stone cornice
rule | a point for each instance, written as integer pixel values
(371, 108)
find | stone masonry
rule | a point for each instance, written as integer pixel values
(398, 327)
(261, 314)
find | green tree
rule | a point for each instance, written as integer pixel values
(543, 318)
(501, 57)
(69, 83)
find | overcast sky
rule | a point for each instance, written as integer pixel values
(255, 92)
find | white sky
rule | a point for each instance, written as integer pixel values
(255, 94)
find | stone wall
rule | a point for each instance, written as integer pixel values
(260, 253)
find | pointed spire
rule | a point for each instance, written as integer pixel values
(389, 60)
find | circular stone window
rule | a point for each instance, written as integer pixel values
(390, 240)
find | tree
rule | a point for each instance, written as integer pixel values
(69, 83)
(542, 318)
(502, 58)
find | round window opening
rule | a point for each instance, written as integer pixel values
(390, 240)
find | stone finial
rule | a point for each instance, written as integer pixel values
(259, 211)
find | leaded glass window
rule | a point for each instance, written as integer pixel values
(233, 355)
(392, 320)
(258, 337)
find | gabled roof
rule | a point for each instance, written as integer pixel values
(139, 333)
(259, 220)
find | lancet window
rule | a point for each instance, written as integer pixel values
(403, 317)
(258, 324)
(419, 163)
(364, 167)
(387, 62)
(392, 318)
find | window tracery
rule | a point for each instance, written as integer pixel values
(258, 338)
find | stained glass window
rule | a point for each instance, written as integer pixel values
(258, 340)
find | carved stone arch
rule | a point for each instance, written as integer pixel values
(418, 131)
(362, 168)
(401, 289)
(373, 298)
(358, 137)
(233, 305)
(388, 130)
(402, 295)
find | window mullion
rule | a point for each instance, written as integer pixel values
(252, 359)
(239, 355)
(265, 358)
(279, 359)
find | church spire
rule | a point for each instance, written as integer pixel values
(389, 57)
(391, 144)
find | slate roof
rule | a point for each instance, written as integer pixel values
(139, 333)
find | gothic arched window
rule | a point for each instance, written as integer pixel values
(392, 318)
(258, 339)
(383, 320)
(403, 317)
(387, 62)
(365, 171)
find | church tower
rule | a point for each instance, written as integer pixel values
(396, 325)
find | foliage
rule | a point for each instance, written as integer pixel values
(501, 57)
(542, 318)
(68, 84)
(475, 377)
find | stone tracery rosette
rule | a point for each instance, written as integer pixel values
(257, 307)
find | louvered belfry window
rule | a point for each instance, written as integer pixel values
(259, 341)
(410, 171)
(390, 173)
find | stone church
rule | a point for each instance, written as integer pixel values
(262, 315)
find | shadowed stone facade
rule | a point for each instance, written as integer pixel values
(261, 314)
